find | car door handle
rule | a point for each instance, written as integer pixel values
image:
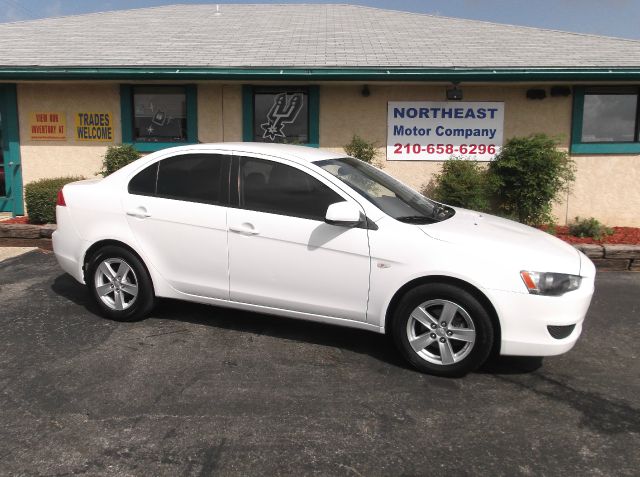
(245, 229)
(139, 212)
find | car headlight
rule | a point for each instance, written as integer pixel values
(551, 284)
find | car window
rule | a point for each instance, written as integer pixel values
(276, 188)
(191, 177)
(388, 194)
(144, 183)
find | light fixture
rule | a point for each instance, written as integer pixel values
(536, 93)
(455, 93)
(562, 91)
(365, 91)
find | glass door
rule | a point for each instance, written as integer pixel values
(10, 170)
(3, 177)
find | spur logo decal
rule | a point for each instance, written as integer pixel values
(285, 110)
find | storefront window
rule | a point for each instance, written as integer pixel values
(159, 114)
(606, 120)
(286, 115)
(281, 116)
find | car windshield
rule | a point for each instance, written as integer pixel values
(388, 194)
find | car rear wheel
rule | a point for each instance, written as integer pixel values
(442, 329)
(119, 284)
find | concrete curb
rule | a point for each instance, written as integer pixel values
(612, 257)
(26, 235)
(26, 231)
(607, 257)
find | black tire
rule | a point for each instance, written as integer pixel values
(467, 307)
(134, 307)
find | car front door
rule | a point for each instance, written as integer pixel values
(281, 252)
(177, 210)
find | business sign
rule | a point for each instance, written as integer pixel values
(96, 127)
(48, 126)
(437, 131)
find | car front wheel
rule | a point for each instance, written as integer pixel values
(120, 284)
(442, 329)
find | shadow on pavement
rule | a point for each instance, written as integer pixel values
(359, 341)
(604, 414)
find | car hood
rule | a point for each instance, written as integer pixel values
(525, 247)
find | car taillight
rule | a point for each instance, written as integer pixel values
(60, 200)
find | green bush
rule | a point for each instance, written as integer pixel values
(361, 149)
(529, 174)
(41, 196)
(117, 157)
(589, 228)
(461, 183)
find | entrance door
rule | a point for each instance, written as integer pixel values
(10, 171)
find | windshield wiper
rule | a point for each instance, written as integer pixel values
(416, 219)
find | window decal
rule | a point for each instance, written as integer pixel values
(285, 110)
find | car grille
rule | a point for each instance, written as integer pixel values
(559, 332)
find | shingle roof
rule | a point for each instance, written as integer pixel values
(299, 35)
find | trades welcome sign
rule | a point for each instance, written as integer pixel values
(437, 131)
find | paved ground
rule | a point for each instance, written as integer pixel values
(197, 390)
(9, 252)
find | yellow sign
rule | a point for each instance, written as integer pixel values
(48, 126)
(94, 127)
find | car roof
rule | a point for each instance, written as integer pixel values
(287, 151)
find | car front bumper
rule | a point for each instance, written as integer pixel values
(525, 320)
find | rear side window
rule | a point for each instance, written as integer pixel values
(191, 177)
(280, 189)
(144, 183)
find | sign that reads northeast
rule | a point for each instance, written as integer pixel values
(437, 131)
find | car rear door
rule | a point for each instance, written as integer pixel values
(177, 210)
(281, 252)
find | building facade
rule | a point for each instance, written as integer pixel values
(423, 88)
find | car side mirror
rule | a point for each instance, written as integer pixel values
(344, 214)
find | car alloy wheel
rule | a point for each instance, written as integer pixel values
(442, 329)
(441, 332)
(116, 284)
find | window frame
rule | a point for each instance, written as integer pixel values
(313, 107)
(579, 147)
(225, 178)
(127, 116)
(237, 183)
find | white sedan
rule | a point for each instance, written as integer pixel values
(309, 234)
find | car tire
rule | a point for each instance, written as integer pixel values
(119, 284)
(442, 329)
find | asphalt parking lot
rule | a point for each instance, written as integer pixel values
(197, 390)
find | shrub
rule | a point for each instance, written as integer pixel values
(361, 149)
(117, 157)
(41, 197)
(529, 174)
(461, 183)
(589, 228)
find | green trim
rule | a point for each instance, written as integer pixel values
(192, 113)
(314, 116)
(576, 117)
(313, 108)
(247, 113)
(126, 118)
(126, 114)
(321, 74)
(606, 148)
(12, 202)
(579, 147)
